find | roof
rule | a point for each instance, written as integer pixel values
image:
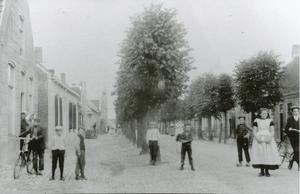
(291, 81)
(96, 103)
(76, 89)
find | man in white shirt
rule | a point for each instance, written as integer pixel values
(152, 139)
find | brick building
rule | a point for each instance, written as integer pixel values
(18, 74)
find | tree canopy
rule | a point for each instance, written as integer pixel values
(258, 81)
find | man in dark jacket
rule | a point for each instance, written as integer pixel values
(37, 145)
(24, 126)
(186, 139)
(292, 131)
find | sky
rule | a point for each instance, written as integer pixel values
(81, 37)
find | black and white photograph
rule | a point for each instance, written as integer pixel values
(149, 96)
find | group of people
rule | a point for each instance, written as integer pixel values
(265, 155)
(31, 127)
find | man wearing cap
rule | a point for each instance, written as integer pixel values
(186, 139)
(242, 142)
(292, 131)
(152, 139)
(37, 145)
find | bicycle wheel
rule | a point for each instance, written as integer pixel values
(18, 166)
(29, 162)
(282, 152)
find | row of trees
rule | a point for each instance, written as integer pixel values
(153, 66)
(154, 61)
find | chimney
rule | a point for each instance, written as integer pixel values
(295, 51)
(38, 54)
(51, 71)
(63, 78)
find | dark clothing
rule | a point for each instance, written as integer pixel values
(293, 136)
(243, 144)
(39, 142)
(242, 130)
(24, 126)
(186, 135)
(186, 148)
(80, 163)
(153, 149)
(58, 155)
(38, 154)
(82, 145)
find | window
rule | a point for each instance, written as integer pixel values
(22, 35)
(11, 75)
(289, 112)
(74, 116)
(70, 116)
(60, 112)
(56, 110)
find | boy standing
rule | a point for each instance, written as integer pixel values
(186, 139)
(152, 139)
(80, 153)
(242, 141)
(58, 147)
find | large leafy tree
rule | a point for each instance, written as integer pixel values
(258, 82)
(226, 100)
(154, 61)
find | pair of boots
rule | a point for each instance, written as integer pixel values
(192, 167)
(80, 178)
(62, 178)
(264, 172)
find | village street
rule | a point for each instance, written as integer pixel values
(114, 165)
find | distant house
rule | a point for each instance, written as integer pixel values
(291, 93)
(18, 74)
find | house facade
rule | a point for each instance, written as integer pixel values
(18, 74)
(291, 93)
(58, 104)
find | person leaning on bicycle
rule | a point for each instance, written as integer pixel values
(37, 145)
(292, 131)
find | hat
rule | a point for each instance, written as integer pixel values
(171, 125)
(241, 117)
(294, 107)
(81, 127)
(187, 124)
(152, 123)
(58, 128)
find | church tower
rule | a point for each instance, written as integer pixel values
(104, 106)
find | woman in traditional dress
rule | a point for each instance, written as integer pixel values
(264, 150)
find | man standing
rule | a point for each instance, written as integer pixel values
(292, 131)
(242, 132)
(80, 153)
(152, 139)
(186, 139)
(24, 126)
(37, 145)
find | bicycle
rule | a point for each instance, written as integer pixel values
(24, 159)
(283, 150)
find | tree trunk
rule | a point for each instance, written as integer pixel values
(200, 135)
(210, 134)
(142, 127)
(139, 133)
(221, 129)
(132, 131)
(226, 128)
